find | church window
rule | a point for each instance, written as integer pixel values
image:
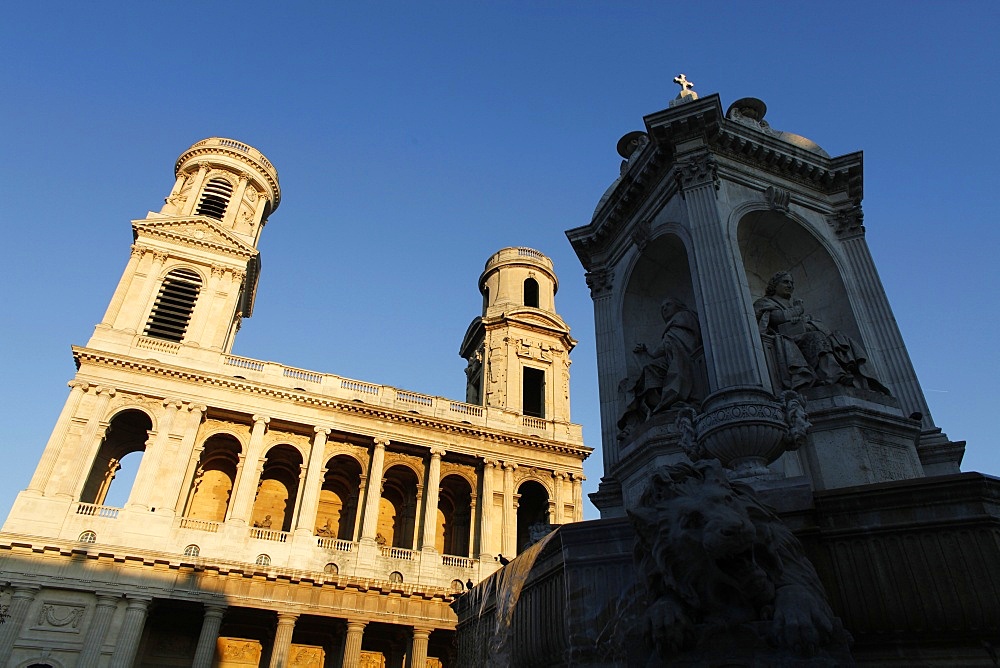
(263, 560)
(215, 199)
(192, 551)
(396, 577)
(88, 537)
(457, 586)
(533, 392)
(172, 310)
(531, 292)
(331, 569)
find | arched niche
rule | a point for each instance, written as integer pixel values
(338, 498)
(212, 487)
(770, 242)
(661, 271)
(125, 437)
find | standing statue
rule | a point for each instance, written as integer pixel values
(667, 371)
(808, 352)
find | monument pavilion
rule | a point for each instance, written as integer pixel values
(279, 516)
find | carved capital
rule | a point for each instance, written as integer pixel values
(380, 441)
(698, 171)
(322, 430)
(438, 451)
(558, 476)
(509, 466)
(490, 463)
(78, 385)
(204, 167)
(600, 283)
(244, 177)
(106, 390)
(261, 418)
(848, 223)
(197, 408)
(176, 404)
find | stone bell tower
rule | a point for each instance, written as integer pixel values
(518, 349)
(193, 272)
(739, 311)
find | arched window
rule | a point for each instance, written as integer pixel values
(263, 560)
(192, 551)
(331, 569)
(173, 306)
(531, 292)
(88, 537)
(215, 199)
(457, 586)
(396, 577)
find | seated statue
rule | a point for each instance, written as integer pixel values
(666, 375)
(808, 352)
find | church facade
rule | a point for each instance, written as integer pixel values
(279, 516)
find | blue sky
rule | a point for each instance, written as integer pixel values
(413, 140)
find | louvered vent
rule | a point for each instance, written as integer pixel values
(215, 199)
(174, 304)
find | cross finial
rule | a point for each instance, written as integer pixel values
(681, 80)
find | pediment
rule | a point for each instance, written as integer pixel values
(198, 231)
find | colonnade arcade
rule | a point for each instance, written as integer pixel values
(277, 479)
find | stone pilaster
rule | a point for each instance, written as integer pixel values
(93, 642)
(727, 323)
(20, 602)
(610, 358)
(306, 524)
(247, 486)
(557, 497)
(148, 475)
(509, 521)
(124, 284)
(578, 479)
(188, 445)
(205, 651)
(373, 492)
(127, 643)
(486, 511)
(431, 499)
(131, 317)
(418, 650)
(352, 643)
(55, 444)
(283, 639)
(205, 308)
(194, 195)
(89, 445)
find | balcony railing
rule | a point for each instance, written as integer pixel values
(94, 510)
(397, 553)
(269, 534)
(335, 544)
(460, 562)
(200, 525)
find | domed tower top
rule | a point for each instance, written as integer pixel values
(518, 276)
(228, 181)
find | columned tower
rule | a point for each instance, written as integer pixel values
(193, 272)
(518, 349)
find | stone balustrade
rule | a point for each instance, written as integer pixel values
(94, 510)
(337, 387)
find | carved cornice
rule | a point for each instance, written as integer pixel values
(377, 413)
(185, 231)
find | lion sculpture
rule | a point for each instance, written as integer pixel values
(714, 559)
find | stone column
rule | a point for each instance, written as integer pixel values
(373, 493)
(131, 317)
(90, 655)
(148, 475)
(352, 644)
(208, 638)
(283, 639)
(114, 306)
(431, 499)
(306, 524)
(188, 444)
(358, 509)
(216, 335)
(55, 444)
(127, 643)
(610, 358)
(509, 521)
(557, 497)
(194, 195)
(20, 602)
(733, 353)
(90, 443)
(205, 307)
(245, 492)
(578, 479)
(486, 511)
(233, 209)
(418, 651)
(473, 502)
